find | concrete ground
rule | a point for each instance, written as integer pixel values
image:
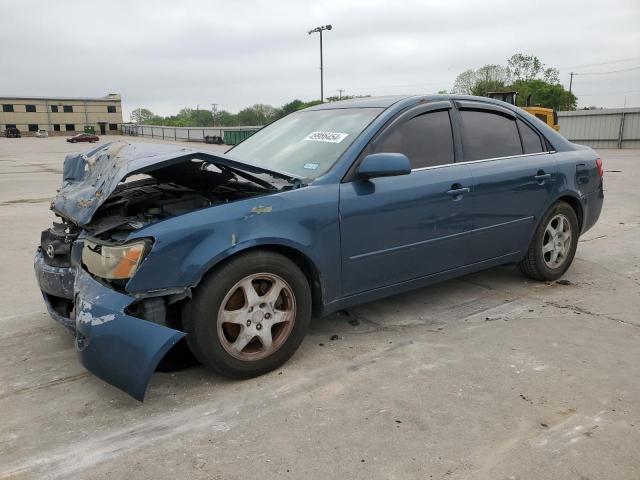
(489, 376)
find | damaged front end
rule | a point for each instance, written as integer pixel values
(85, 261)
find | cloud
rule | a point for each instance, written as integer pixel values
(165, 55)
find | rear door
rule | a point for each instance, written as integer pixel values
(395, 229)
(514, 176)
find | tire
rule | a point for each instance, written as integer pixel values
(543, 264)
(218, 343)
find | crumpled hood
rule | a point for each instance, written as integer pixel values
(89, 178)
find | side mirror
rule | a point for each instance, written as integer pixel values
(384, 165)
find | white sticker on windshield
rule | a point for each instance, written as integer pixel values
(310, 166)
(330, 137)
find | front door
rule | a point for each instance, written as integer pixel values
(103, 129)
(400, 228)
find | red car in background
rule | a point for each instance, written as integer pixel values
(83, 137)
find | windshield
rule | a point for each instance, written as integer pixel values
(305, 144)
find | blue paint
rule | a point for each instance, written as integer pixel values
(365, 238)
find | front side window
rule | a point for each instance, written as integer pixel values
(56, 127)
(33, 128)
(425, 139)
(488, 135)
(68, 108)
(305, 144)
(70, 127)
(113, 126)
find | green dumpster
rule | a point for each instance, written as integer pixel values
(234, 137)
(90, 130)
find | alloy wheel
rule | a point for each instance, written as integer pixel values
(256, 316)
(556, 242)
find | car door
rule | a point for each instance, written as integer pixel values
(513, 178)
(399, 228)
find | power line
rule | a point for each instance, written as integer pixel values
(607, 73)
(404, 85)
(606, 93)
(601, 63)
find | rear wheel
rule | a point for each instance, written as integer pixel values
(554, 244)
(250, 315)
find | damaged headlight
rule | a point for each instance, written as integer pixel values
(114, 262)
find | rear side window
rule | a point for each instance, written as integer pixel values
(425, 139)
(488, 135)
(531, 141)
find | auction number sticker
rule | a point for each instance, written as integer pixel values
(329, 137)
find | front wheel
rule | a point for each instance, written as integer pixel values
(554, 244)
(249, 316)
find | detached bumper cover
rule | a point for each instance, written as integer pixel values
(118, 348)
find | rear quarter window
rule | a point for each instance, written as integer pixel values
(488, 135)
(531, 141)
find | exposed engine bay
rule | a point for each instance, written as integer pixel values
(109, 192)
(138, 203)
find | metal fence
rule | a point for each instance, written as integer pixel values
(187, 134)
(604, 128)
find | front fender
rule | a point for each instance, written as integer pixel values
(188, 246)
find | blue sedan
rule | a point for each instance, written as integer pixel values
(231, 254)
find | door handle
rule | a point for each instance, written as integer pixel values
(455, 192)
(541, 176)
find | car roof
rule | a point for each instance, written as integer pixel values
(389, 100)
(364, 102)
(399, 102)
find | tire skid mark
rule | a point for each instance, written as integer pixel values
(219, 415)
(52, 383)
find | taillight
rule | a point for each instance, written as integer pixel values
(599, 165)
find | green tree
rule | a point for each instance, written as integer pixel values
(545, 94)
(258, 114)
(226, 119)
(529, 67)
(488, 78)
(141, 115)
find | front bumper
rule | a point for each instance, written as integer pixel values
(118, 348)
(56, 285)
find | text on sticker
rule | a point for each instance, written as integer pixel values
(331, 137)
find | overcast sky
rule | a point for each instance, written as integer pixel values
(165, 55)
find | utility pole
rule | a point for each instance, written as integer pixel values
(571, 80)
(320, 30)
(340, 90)
(214, 112)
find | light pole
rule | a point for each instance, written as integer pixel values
(319, 30)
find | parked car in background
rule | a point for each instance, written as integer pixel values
(83, 137)
(326, 208)
(12, 132)
(42, 134)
